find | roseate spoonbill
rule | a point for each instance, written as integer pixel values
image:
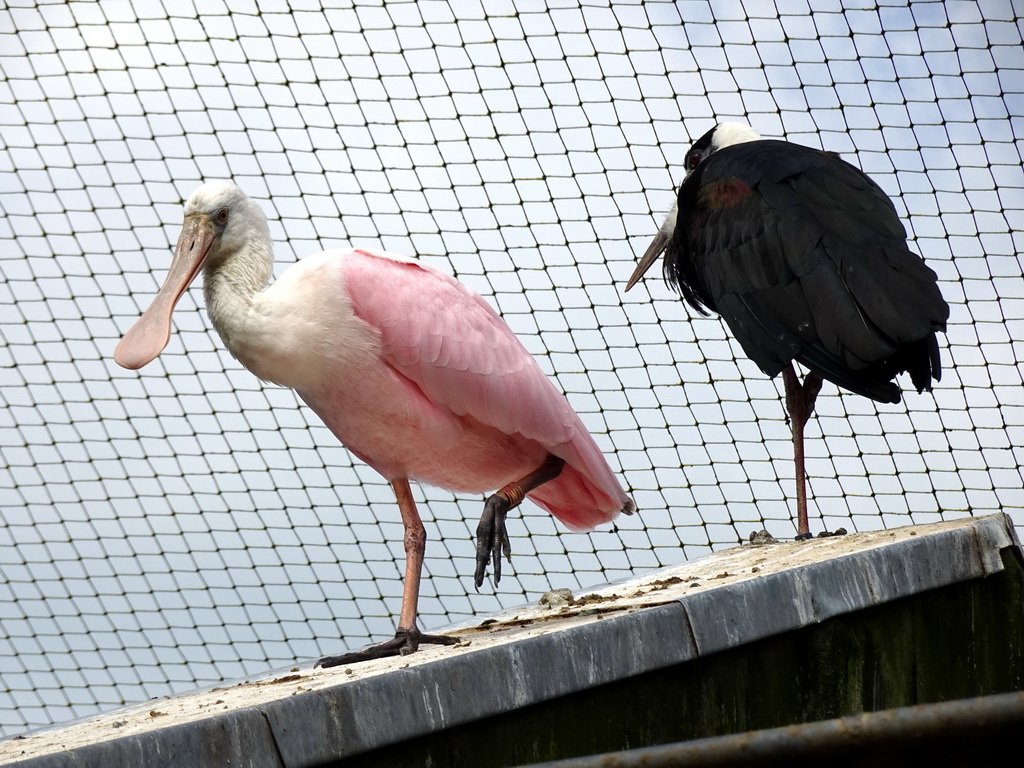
(805, 258)
(410, 369)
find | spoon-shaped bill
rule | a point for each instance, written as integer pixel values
(151, 332)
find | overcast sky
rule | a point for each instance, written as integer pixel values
(173, 527)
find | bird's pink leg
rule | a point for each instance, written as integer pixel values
(800, 405)
(415, 546)
(407, 638)
(491, 536)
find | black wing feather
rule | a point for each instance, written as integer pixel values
(806, 259)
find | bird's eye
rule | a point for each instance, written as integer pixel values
(222, 215)
(692, 160)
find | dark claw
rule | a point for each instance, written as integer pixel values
(821, 535)
(404, 642)
(492, 538)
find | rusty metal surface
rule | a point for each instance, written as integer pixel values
(971, 732)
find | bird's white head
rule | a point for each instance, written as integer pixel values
(721, 136)
(221, 222)
(231, 214)
(727, 134)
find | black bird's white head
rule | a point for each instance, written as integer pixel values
(721, 136)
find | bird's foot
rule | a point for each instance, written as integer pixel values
(492, 538)
(404, 642)
(836, 532)
(823, 535)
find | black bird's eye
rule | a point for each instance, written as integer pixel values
(693, 160)
(222, 215)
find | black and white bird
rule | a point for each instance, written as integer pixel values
(806, 260)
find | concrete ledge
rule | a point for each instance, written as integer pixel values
(534, 654)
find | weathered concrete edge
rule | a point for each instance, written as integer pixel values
(367, 714)
(357, 716)
(741, 613)
(241, 739)
(379, 711)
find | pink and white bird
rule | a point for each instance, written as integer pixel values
(411, 370)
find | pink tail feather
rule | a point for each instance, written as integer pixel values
(574, 500)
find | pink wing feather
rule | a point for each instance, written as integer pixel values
(444, 337)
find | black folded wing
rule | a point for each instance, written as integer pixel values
(805, 258)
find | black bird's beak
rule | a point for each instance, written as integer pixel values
(654, 250)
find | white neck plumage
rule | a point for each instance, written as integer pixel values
(236, 272)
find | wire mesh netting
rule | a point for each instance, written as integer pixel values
(185, 524)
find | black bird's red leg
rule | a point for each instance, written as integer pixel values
(491, 537)
(408, 638)
(800, 405)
